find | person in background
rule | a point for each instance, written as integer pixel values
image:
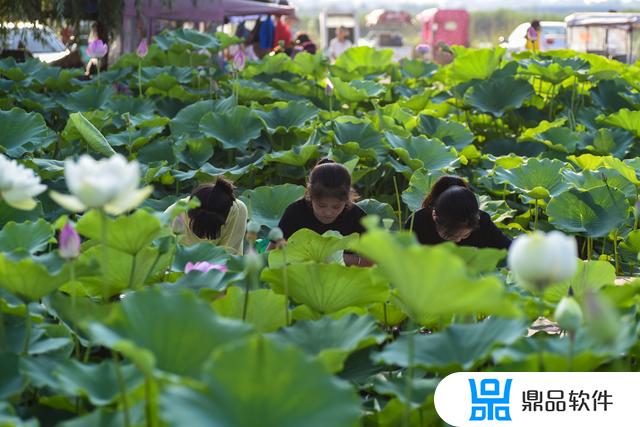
(328, 204)
(303, 44)
(220, 219)
(451, 213)
(533, 36)
(339, 43)
(282, 36)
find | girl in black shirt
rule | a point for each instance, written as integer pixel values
(451, 213)
(328, 204)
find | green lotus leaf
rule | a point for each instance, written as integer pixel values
(328, 288)
(73, 311)
(22, 132)
(265, 309)
(457, 348)
(106, 418)
(126, 233)
(286, 116)
(615, 142)
(590, 276)
(497, 96)
(561, 139)
(191, 38)
(625, 119)
(478, 260)
(591, 162)
(194, 152)
(89, 98)
(431, 281)
(307, 245)
(122, 104)
(187, 121)
(267, 204)
(298, 155)
(419, 152)
(234, 129)
(419, 186)
(259, 382)
(203, 251)
(417, 69)
(593, 213)
(499, 210)
(470, 64)
(11, 381)
(374, 207)
(356, 90)
(451, 133)
(531, 134)
(607, 95)
(171, 331)
(554, 71)
(28, 279)
(91, 135)
(536, 178)
(364, 60)
(25, 238)
(332, 341)
(305, 64)
(363, 134)
(586, 180)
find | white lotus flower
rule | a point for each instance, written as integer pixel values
(540, 259)
(110, 184)
(18, 184)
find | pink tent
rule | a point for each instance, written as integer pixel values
(185, 10)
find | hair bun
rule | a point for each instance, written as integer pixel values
(324, 161)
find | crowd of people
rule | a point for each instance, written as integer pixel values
(450, 212)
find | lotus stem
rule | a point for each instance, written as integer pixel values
(408, 386)
(535, 220)
(615, 252)
(150, 404)
(285, 280)
(140, 79)
(105, 255)
(123, 390)
(133, 270)
(27, 332)
(395, 187)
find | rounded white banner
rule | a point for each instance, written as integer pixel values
(538, 398)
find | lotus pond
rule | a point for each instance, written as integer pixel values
(121, 335)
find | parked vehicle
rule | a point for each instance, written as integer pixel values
(449, 26)
(388, 40)
(614, 35)
(329, 23)
(22, 40)
(553, 37)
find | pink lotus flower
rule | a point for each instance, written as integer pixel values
(69, 242)
(143, 49)
(239, 59)
(328, 88)
(204, 266)
(97, 49)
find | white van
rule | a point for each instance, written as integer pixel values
(554, 36)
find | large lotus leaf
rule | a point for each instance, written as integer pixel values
(191, 38)
(431, 281)
(590, 276)
(561, 139)
(267, 204)
(298, 155)
(420, 152)
(607, 95)
(356, 90)
(172, 331)
(549, 70)
(265, 309)
(457, 347)
(89, 133)
(127, 233)
(194, 152)
(305, 64)
(203, 251)
(364, 60)
(327, 288)
(242, 165)
(419, 186)
(28, 279)
(25, 238)
(416, 69)
(363, 133)
(260, 383)
(591, 162)
(615, 142)
(99, 383)
(470, 64)
(104, 417)
(583, 354)
(234, 129)
(625, 119)
(11, 382)
(120, 271)
(285, 116)
(586, 180)
(537, 178)
(21, 131)
(497, 96)
(122, 104)
(332, 341)
(187, 121)
(531, 134)
(593, 213)
(89, 98)
(307, 245)
(374, 207)
(451, 133)
(499, 210)
(478, 260)
(72, 311)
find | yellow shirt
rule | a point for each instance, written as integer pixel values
(231, 233)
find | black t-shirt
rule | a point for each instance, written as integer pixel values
(299, 214)
(487, 235)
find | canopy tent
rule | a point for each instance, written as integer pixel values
(381, 17)
(213, 11)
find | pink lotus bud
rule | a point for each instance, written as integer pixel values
(69, 242)
(97, 49)
(328, 88)
(204, 266)
(239, 59)
(143, 49)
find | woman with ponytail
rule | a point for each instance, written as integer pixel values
(220, 219)
(451, 213)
